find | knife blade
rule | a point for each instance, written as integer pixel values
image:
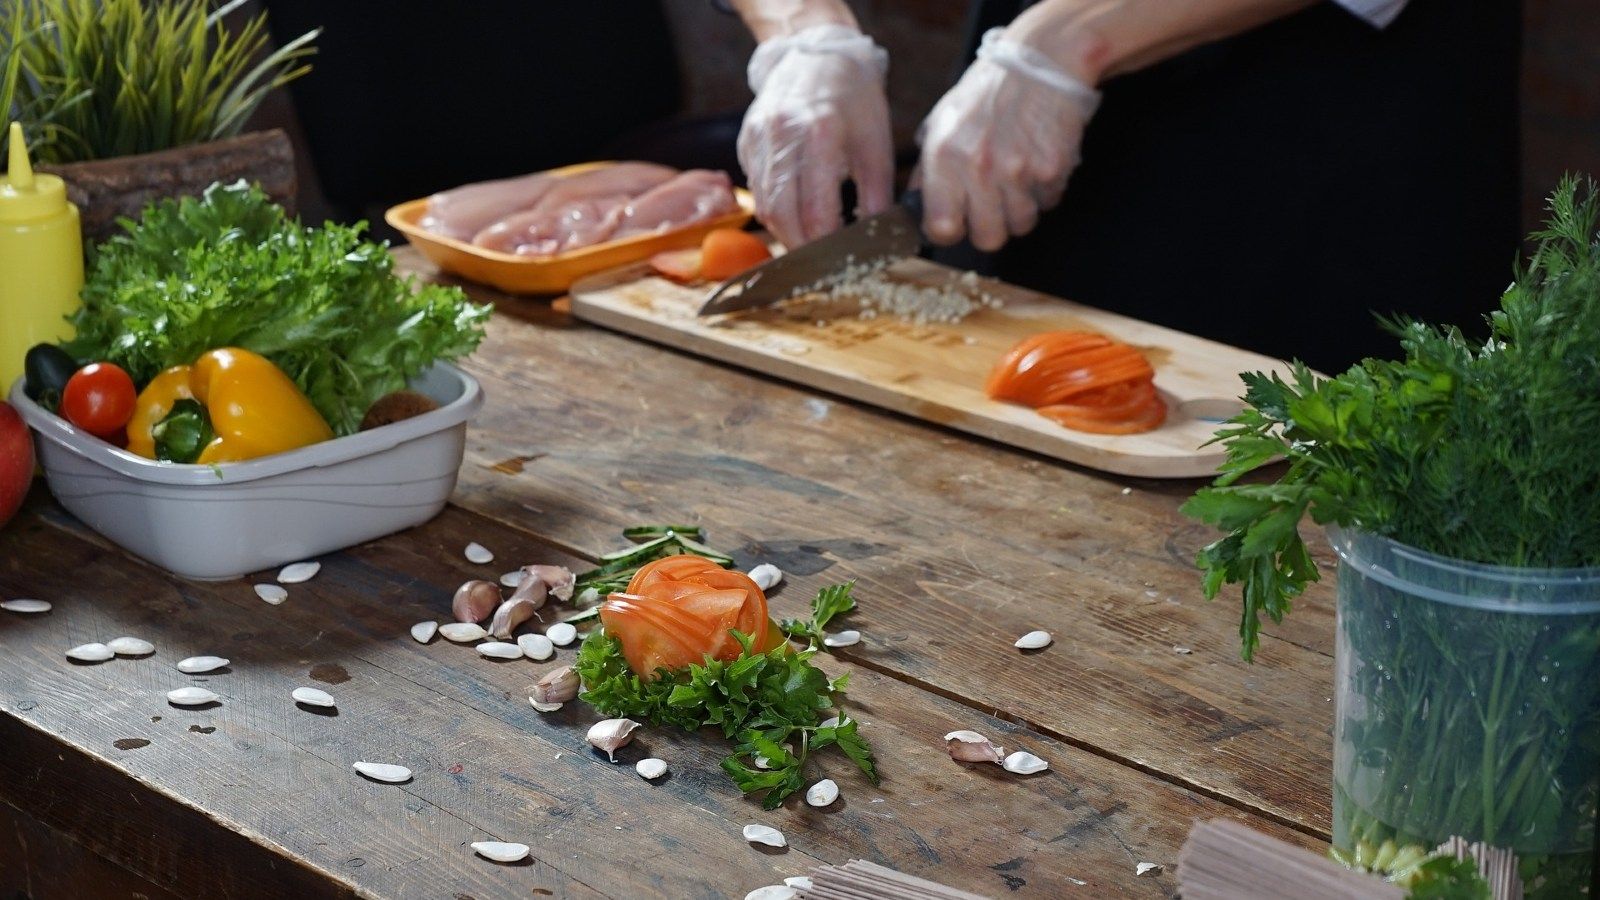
(893, 233)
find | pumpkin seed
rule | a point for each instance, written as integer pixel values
(90, 653)
(798, 881)
(561, 633)
(199, 665)
(1033, 640)
(512, 578)
(25, 606)
(500, 650)
(478, 553)
(1146, 869)
(383, 772)
(191, 696)
(423, 632)
(773, 892)
(765, 834)
(822, 793)
(294, 573)
(842, 639)
(131, 646)
(312, 697)
(650, 768)
(536, 647)
(272, 593)
(501, 851)
(463, 632)
(1024, 763)
(1182, 651)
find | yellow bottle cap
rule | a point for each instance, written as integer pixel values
(24, 195)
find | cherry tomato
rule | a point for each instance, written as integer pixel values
(99, 398)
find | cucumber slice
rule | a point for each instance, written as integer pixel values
(651, 532)
(699, 549)
(642, 551)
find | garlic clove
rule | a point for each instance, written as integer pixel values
(766, 576)
(423, 632)
(478, 553)
(295, 573)
(545, 707)
(512, 578)
(1033, 640)
(94, 652)
(842, 639)
(463, 632)
(970, 746)
(650, 768)
(191, 696)
(383, 772)
(199, 665)
(765, 834)
(272, 593)
(313, 697)
(474, 601)
(611, 734)
(1024, 763)
(500, 650)
(558, 686)
(501, 851)
(508, 616)
(130, 646)
(559, 579)
(536, 647)
(25, 606)
(561, 633)
(822, 793)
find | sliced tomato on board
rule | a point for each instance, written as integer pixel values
(682, 266)
(1081, 380)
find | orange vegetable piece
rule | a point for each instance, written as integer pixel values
(1082, 381)
(726, 252)
(682, 266)
(681, 609)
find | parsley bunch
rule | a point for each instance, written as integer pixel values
(761, 701)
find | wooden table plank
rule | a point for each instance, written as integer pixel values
(960, 545)
(271, 784)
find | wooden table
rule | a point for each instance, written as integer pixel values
(958, 546)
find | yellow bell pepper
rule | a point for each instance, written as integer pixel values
(254, 408)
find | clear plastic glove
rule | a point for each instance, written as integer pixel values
(998, 148)
(819, 117)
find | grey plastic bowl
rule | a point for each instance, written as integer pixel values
(216, 523)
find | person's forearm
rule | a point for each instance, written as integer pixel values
(1096, 39)
(770, 18)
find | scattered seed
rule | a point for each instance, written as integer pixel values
(1183, 650)
(513, 578)
(423, 632)
(312, 697)
(90, 653)
(773, 892)
(191, 696)
(500, 650)
(561, 633)
(294, 573)
(765, 834)
(842, 639)
(463, 632)
(546, 707)
(822, 793)
(610, 734)
(474, 601)
(1024, 763)
(272, 593)
(536, 647)
(650, 768)
(970, 746)
(199, 665)
(766, 576)
(1147, 868)
(383, 772)
(500, 851)
(798, 881)
(478, 553)
(1127, 491)
(25, 606)
(1033, 640)
(131, 646)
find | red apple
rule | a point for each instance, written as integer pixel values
(16, 462)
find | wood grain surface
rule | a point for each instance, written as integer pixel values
(958, 546)
(936, 371)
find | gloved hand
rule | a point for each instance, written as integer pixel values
(997, 149)
(819, 117)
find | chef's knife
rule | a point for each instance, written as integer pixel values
(891, 234)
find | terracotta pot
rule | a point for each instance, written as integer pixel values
(108, 189)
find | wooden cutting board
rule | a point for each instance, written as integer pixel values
(936, 372)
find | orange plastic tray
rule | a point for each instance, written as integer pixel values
(550, 274)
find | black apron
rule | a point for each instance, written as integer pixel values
(1276, 189)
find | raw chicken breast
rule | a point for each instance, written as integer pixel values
(574, 211)
(693, 196)
(462, 212)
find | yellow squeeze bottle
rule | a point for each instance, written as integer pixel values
(41, 260)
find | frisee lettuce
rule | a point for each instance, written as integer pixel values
(232, 269)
